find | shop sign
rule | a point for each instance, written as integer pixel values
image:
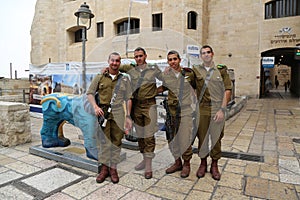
(268, 62)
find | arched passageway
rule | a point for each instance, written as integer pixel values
(285, 73)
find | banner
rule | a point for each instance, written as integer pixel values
(140, 1)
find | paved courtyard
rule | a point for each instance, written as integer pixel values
(261, 161)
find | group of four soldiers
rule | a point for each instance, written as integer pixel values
(197, 100)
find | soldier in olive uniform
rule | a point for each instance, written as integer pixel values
(111, 98)
(144, 110)
(212, 109)
(181, 84)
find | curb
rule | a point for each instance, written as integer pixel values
(235, 108)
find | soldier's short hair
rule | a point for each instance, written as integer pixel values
(173, 52)
(140, 49)
(115, 54)
(206, 46)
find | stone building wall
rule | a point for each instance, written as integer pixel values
(14, 84)
(14, 90)
(236, 28)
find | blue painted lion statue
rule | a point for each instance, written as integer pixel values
(59, 108)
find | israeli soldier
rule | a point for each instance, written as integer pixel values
(114, 89)
(212, 107)
(144, 112)
(181, 84)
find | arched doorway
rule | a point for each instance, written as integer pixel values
(286, 72)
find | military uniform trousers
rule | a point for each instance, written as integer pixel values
(212, 131)
(109, 152)
(181, 146)
(145, 122)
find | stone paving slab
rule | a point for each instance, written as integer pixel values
(108, 192)
(266, 189)
(51, 180)
(59, 196)
(9, 176)
(89, 185)
(10, 192)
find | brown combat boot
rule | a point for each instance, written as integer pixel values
(202, 168)
(114, 173)
(148, 168)
(185, 169)
(177, 166)
(214, 170)
(140, 166)
(103, 174)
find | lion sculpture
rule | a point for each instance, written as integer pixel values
(59, 108)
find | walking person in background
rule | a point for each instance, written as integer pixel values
(214, 97)
(276, 83)
(285, 86)
(114, 89)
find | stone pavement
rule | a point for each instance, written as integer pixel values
(267, 128)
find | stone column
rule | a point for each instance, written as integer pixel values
(15, 125)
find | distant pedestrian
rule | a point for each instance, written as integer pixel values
(288, 84)
(276, 83)
(285, 86)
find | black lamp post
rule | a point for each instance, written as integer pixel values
(84, 15)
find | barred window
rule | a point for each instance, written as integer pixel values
(282, 8)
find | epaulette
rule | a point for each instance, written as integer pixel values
(125, 75)
(133, 64)
(106, 73)
(221, 66)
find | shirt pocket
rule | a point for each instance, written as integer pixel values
(103, 88)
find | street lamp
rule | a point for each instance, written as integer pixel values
(84, 15)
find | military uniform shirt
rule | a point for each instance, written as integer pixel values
(172, 84)
(147, 88)
(105, 86)
(218, 83)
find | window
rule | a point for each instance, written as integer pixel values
(157, 22)
(100, 29)
(78, 35)
(192, 20)
(282, 8)
(134, 27)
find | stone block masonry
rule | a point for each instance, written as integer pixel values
(15, 125)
